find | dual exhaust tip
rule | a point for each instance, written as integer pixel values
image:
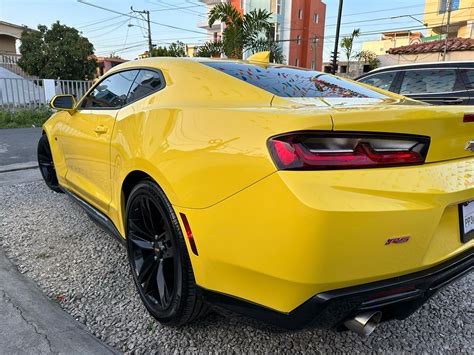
(364, 323)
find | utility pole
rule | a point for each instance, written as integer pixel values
(336, 43)
(315, 51)
(449, 7)
(147, 19)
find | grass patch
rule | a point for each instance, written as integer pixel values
(24, 118)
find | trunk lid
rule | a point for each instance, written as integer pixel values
(449, 135)
(444, 125)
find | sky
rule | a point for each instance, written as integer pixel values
(112, 33)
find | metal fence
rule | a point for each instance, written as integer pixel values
(35, 93)
(77, 88)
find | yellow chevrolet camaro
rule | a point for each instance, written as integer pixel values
(285, 194)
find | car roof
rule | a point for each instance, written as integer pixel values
(447, 64)
(158, 62)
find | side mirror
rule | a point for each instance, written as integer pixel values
(63, 103)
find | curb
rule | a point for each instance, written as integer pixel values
(41, 318)
(19, 166)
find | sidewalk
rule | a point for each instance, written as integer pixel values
(31, 323)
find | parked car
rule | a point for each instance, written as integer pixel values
(285, 194)
(439, 83)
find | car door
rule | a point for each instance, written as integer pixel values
(437, 86)
(85, 138)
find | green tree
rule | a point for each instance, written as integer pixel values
(370, 58)
(209, 49)
(249, 32)
(175, 49)
(347, 44)
(58, 52)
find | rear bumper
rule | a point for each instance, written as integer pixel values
(396, 298)
(293, 234)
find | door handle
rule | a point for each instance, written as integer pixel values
(100, 129)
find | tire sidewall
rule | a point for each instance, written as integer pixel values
(172, 314)
(44, 141)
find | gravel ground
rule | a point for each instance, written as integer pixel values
(52, 241)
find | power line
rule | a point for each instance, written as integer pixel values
(101, 28)
(387, 18)
(128, 15)
(375, 11)
(174, 7)
(95, 22)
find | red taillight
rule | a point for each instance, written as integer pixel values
(189, 233)
(468, 117)
(346, 150)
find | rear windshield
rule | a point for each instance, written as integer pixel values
(293, 82)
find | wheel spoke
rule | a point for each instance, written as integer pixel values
(162, 287)
(147, 223)
(134, 227)
(140, 242)
(149, 282)
(146, 269)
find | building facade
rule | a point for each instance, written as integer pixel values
(9, 56)
(104, 64)
(299, 27)
(461, 19)
(392, 40)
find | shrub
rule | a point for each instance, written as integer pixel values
(24, 118)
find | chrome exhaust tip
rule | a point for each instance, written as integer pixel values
(364, 323)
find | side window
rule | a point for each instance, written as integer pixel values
(470, 78)
(146, 82)
(428, 81)
(110, 92)
(381, 81)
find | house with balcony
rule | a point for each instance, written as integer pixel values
(9, 35)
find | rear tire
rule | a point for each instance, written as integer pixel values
(159, 259)
(46, 164)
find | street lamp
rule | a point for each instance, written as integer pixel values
(410, 16)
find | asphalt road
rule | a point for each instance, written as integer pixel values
(18, 155)
(86, 272)
(18, 145)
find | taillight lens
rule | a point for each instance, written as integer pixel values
(346, 150)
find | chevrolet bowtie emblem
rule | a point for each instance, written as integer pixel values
(470, 146)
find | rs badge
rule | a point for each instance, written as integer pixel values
(397, 240)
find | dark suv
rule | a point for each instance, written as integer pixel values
(440, 83)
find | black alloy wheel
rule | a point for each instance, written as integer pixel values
(46, 164)
(158, 257)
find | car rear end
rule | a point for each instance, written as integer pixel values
(373, 216)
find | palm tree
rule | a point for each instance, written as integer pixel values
(347, 44)
(209, 49)
(242, 32)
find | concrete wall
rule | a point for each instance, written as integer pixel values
(382, 46)
(354, 70)
(394, 59)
